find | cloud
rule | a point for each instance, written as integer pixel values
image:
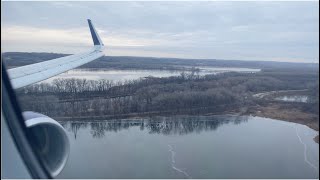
(282, 31)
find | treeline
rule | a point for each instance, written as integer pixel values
(187, 93)
(14, 59)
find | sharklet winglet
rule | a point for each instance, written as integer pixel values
(95, 37)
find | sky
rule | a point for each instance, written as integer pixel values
(273, 31)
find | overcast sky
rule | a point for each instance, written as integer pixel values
(277, 31)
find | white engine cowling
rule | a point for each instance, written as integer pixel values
(51, 140)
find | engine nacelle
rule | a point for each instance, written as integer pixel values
(51, 140)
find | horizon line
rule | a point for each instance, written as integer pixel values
(316, 62)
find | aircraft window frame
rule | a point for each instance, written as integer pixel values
(20, 133)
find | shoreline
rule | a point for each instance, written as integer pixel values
(294, 115)
(272, 111)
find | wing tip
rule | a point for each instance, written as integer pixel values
(95, 36)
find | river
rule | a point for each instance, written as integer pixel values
(293, 98)
(122, 75)
(191, 147)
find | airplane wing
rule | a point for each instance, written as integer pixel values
(29, 74)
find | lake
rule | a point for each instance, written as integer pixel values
(293, 98)
(122, 75)
(191, 147)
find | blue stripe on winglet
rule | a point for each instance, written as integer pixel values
(93, 34)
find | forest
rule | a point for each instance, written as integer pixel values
(187, 93)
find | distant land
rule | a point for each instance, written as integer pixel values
(15, 59)
(185, 94)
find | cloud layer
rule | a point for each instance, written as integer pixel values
(280, 31)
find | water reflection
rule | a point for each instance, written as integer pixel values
(74, 127)
(178, 125)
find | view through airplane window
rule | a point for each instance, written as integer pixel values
(205, 90)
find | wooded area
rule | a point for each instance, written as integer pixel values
(188, 93)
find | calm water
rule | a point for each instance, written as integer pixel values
(191, 147)
(295, 98)
(122, 75)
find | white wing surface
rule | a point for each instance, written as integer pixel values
(29, 74)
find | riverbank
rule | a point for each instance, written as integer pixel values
(287, 112)
(279, 111)
(290, 112)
